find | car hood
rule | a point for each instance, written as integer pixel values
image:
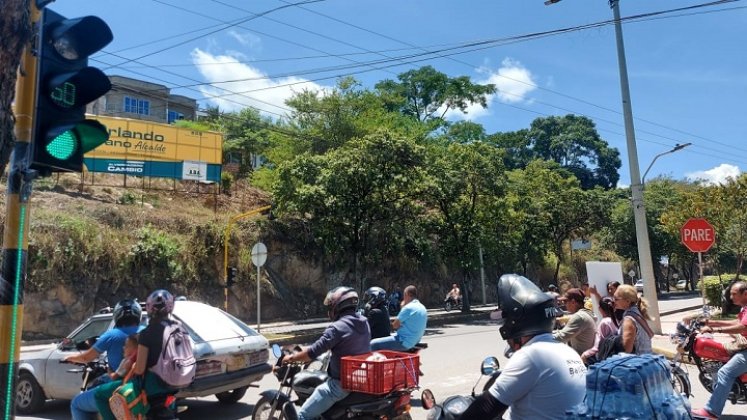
(41, 351)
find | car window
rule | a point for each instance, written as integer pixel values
(94, 328)
(210, 324)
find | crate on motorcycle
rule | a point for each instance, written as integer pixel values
(399, 370)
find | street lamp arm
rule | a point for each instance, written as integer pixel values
(676, 148)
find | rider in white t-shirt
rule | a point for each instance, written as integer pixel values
(543, 378)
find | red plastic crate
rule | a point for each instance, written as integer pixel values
(399, 370)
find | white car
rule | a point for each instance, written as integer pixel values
(639, 285)
(230, 356)
(681, 284)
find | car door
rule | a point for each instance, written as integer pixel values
(58, 382)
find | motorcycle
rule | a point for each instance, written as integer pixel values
(92, 372)
(95, 373)
(708, 355)
(450, 303)
(302, 379)
(453, 407)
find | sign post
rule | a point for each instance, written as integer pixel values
(698, 236)
(259, 256)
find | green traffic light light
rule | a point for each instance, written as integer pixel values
(63, 146)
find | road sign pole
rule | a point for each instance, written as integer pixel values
(258, 298)
(702, 282)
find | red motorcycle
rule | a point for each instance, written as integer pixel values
(708, 355)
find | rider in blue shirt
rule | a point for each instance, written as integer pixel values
(126, 322)
(409, 324)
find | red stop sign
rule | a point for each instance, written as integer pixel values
(698, 235)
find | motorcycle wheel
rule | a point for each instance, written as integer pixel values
(447, 306)
(231, 397)
(680, 381)
(262, 410)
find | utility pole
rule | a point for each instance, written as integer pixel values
(636, 188)
(15, 237)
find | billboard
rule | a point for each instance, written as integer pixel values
(144, 148)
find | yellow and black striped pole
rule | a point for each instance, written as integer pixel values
(15, 237)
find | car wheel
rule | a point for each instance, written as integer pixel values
(29, 395)
(230, 397)
(263, 408)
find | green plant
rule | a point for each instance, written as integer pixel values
(127, 197)
(226, 181)
(714, 288)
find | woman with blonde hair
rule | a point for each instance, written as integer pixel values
(635, 332)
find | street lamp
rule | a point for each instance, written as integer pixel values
(676, 148)
(636, 188)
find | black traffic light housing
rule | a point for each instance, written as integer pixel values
(231, 276)
(64, 86)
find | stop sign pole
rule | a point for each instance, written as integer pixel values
(259, 256)
(698, 236)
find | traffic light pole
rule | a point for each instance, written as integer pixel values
(15, 237)
(226, 238)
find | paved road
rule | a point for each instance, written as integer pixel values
(451, 365)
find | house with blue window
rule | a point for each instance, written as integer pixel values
(138, 99)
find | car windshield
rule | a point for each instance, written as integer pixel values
(94, 328)
(207, 323)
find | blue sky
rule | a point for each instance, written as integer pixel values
(686, 69)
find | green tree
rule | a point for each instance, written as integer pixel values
(571, 141)
(462, 181)
(426, 94)
(353, 195)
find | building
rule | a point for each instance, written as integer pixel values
(138, 99)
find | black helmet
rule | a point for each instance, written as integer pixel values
(159, 303)
(127, 311)
(374, 297)
(338, 300)
(526, 310)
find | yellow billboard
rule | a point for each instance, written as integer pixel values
(149, 141)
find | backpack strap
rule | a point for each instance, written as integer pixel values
(642, 322)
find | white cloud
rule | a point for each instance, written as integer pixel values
(247, 86)
(246, 39)
(513, 82)
(717, 175)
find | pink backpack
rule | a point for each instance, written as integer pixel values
(176, 364)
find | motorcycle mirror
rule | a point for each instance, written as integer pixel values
(489, 366)
(427, 400)
(276, 351)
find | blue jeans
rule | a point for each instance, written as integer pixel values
(725, 378)
(387, 343)
(83, 406)
(322, 399)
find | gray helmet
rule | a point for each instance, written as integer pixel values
(526, 310)
(159, 303)
(127, 311)
(338, 300)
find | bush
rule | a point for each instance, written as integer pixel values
(714, 288)
(226, 181)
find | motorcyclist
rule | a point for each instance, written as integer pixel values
(409, 324)
(376, 312)
(737, 364)
(126, 316)
(543, 378)
(454, 294)
(347, 335)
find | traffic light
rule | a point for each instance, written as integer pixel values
(64, 86)
(231, 276)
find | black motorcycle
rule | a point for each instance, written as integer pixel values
(302, 379)
(453, 407)
(451, 303)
